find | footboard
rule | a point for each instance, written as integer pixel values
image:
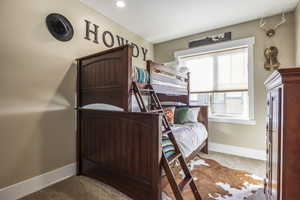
(121, 149)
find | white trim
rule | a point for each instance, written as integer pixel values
(246, 42)
(37, 183)
(232, 120)
(251, 81)
(237, 151)
(216, 47)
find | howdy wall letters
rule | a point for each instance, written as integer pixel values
(110, 40)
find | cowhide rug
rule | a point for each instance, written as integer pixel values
(216, 182)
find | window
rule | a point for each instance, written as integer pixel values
(222, 79)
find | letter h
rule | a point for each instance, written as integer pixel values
(88, 31)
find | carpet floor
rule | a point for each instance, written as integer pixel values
(84, 188)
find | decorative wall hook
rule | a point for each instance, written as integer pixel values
(271, 55)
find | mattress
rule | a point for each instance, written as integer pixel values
(169, 90)
(170, 70)
(189, 137)
(168, 79)
(166, 84)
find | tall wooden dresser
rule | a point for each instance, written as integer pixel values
(283, 135)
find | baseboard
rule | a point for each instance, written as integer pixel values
(37, 183)
(238, 151)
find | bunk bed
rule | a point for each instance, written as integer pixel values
(120, 147)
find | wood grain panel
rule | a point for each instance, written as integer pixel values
(105, 77)
(124, 145)
(283, 138)
(99, 73)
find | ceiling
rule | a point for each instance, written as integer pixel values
(162, 20)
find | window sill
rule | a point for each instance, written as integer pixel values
(232, 120)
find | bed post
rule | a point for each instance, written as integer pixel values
(77, 119)
(128, 80)
(188, 88)
(148, 67)
(149, 64)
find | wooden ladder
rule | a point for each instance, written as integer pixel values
(167, 161)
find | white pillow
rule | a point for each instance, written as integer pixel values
(183, 69)
(192, 115)
(102, 106)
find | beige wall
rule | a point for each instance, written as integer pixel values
(297, 34)
(37, 84)
(249, 136)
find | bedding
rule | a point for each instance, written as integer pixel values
(181, 115)
(140, 75)
(172, 103)
(102, 106)
(177, 86)
(168, 84)
(189, 136)
(192, 115)
(169, 89)
(183, 69)
(167, 146)
(169, 79)
(186, 115)
(169, 70)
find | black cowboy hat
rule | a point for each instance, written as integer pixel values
(60, 27)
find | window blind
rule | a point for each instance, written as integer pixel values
(222, 71)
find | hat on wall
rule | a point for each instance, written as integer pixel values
(60, 27)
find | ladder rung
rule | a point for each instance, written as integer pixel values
(174, 157)
(167, 132)
(187, 180)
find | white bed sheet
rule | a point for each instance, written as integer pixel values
(102, 106)
(167, 79)
(189, 136)
(170, 70)
(168, 88)
(156, 82)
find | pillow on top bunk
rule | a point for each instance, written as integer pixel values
(170, 113)
(186, 115)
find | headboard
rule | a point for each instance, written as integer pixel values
(105, 77)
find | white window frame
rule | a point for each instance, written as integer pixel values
(246, 42)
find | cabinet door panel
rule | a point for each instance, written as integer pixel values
(274, 137)
(268, 184)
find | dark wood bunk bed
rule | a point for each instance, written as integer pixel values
(120, 148)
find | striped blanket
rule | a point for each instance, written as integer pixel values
(167, 146)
